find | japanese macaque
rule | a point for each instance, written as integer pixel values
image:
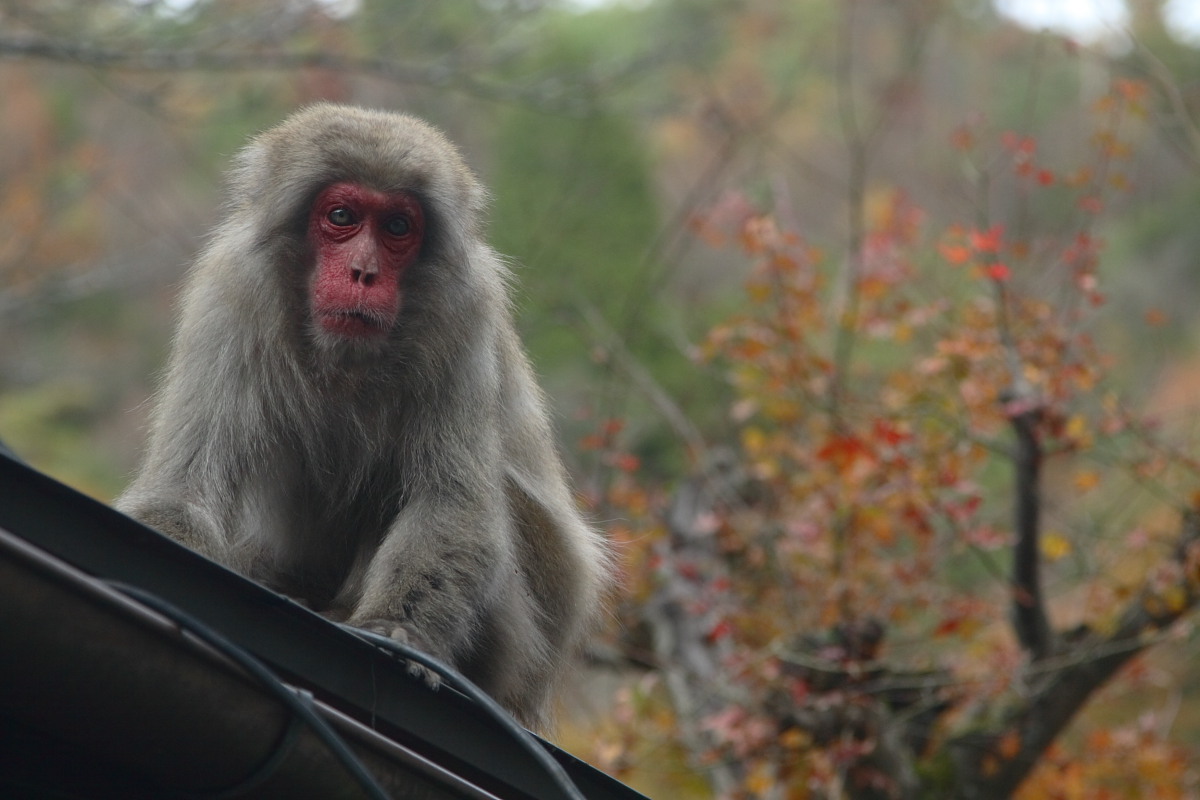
(349, 418)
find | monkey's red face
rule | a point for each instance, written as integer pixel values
(363, 241)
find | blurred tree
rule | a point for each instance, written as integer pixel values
(930, 440)
(574, 208)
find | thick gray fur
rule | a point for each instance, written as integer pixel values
(411, 487)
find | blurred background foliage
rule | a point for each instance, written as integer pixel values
(605, 130)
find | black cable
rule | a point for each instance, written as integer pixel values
(300, 707)
(454, 679)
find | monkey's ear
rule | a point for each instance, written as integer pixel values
(270, 182)
(249, 166)
(249, 176)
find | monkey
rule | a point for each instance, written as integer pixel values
(348, 416)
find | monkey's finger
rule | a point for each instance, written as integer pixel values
(404, 635)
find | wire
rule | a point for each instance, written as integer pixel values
(299, 703)
(499, 715)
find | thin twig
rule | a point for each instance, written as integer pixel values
(559, 96)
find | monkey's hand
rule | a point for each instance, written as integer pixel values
(405, 635)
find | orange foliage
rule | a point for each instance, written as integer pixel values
(872, 478)
(1114, 764)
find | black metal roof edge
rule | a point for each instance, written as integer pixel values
(344, 671)
(185, 691)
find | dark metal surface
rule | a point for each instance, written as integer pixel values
(341, 670)
(97, 689)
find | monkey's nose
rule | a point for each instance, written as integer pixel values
(364, 272)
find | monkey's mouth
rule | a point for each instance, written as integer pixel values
(355, 323)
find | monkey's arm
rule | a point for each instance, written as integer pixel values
(442, 567)
(185, 522)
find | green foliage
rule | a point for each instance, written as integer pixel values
(45, 426)
(574, 208)
(575, 211)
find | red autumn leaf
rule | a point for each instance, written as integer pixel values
(1009, 745)
(988, 241)
(591, 442)
(1132, 91)
(947, 626)
(962, 138)
(625, 462)
(722, 630)
(889, 434)
(1045, 177)
(1021, 145)
(844, 451)
(955, 253)
(964, 510)
(987, 538)
(1156, 317)
(998, 271)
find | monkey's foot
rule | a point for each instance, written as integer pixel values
(401, 633)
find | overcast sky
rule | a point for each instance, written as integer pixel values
(1090, 20)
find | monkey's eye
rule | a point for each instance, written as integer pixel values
(340, 217)
(398, 226)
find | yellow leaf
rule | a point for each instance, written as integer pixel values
(1175, 599)
(1074, 781)
(1055, 546)
(761, 780)
(754, 440)
(1077, 429)
(759, 291)
(795, 739)
(1086, 480)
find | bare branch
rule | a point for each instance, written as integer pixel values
(856, 182)
(551, 95)
(1161, 75)
(626, 362)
